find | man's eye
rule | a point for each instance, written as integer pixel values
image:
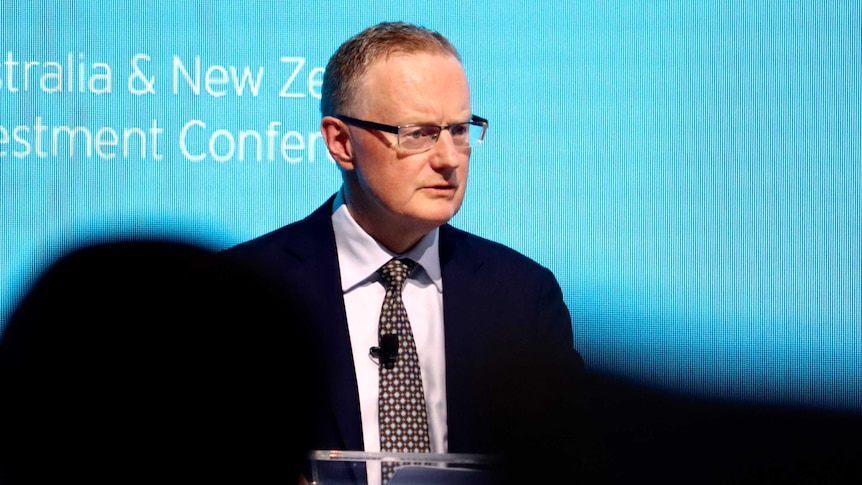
(414, 133)
(459, 130)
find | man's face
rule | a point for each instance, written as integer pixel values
(390, 189)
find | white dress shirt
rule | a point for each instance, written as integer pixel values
(359, 258)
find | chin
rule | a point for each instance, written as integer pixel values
(431, 213)
(437, 218)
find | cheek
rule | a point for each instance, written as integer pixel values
(377, 170)
(389, 182)
(463, 173)
(464, 170)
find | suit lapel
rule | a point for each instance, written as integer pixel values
(464, 333)
(318, 282)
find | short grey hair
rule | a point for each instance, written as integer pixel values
(352, 59)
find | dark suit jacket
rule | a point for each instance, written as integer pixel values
(504, 319)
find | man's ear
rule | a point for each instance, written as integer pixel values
(337, 138)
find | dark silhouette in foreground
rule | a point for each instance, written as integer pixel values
(654, 436)
(144, 361)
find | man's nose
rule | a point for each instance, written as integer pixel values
(448, 154)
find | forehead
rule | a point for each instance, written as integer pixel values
(415, 81)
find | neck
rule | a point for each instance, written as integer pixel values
(396, 236)
(397, 239)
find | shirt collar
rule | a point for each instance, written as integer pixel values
(360, 256)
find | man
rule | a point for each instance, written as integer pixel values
(397, 120)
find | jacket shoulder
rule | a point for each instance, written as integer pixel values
(299, 239)
(460, 243)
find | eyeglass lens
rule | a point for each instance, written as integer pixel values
(422, 137)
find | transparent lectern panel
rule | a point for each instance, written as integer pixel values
(335, 467)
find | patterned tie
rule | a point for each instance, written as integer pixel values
(402, 414)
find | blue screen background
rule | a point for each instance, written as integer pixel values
(690, 171)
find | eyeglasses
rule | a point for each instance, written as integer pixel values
(419, 138)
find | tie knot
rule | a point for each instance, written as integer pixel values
(395, 271)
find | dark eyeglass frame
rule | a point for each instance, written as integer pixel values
(395, 129)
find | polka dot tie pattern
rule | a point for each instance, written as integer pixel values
(402, 413)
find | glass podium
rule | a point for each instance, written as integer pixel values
(337, 467)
